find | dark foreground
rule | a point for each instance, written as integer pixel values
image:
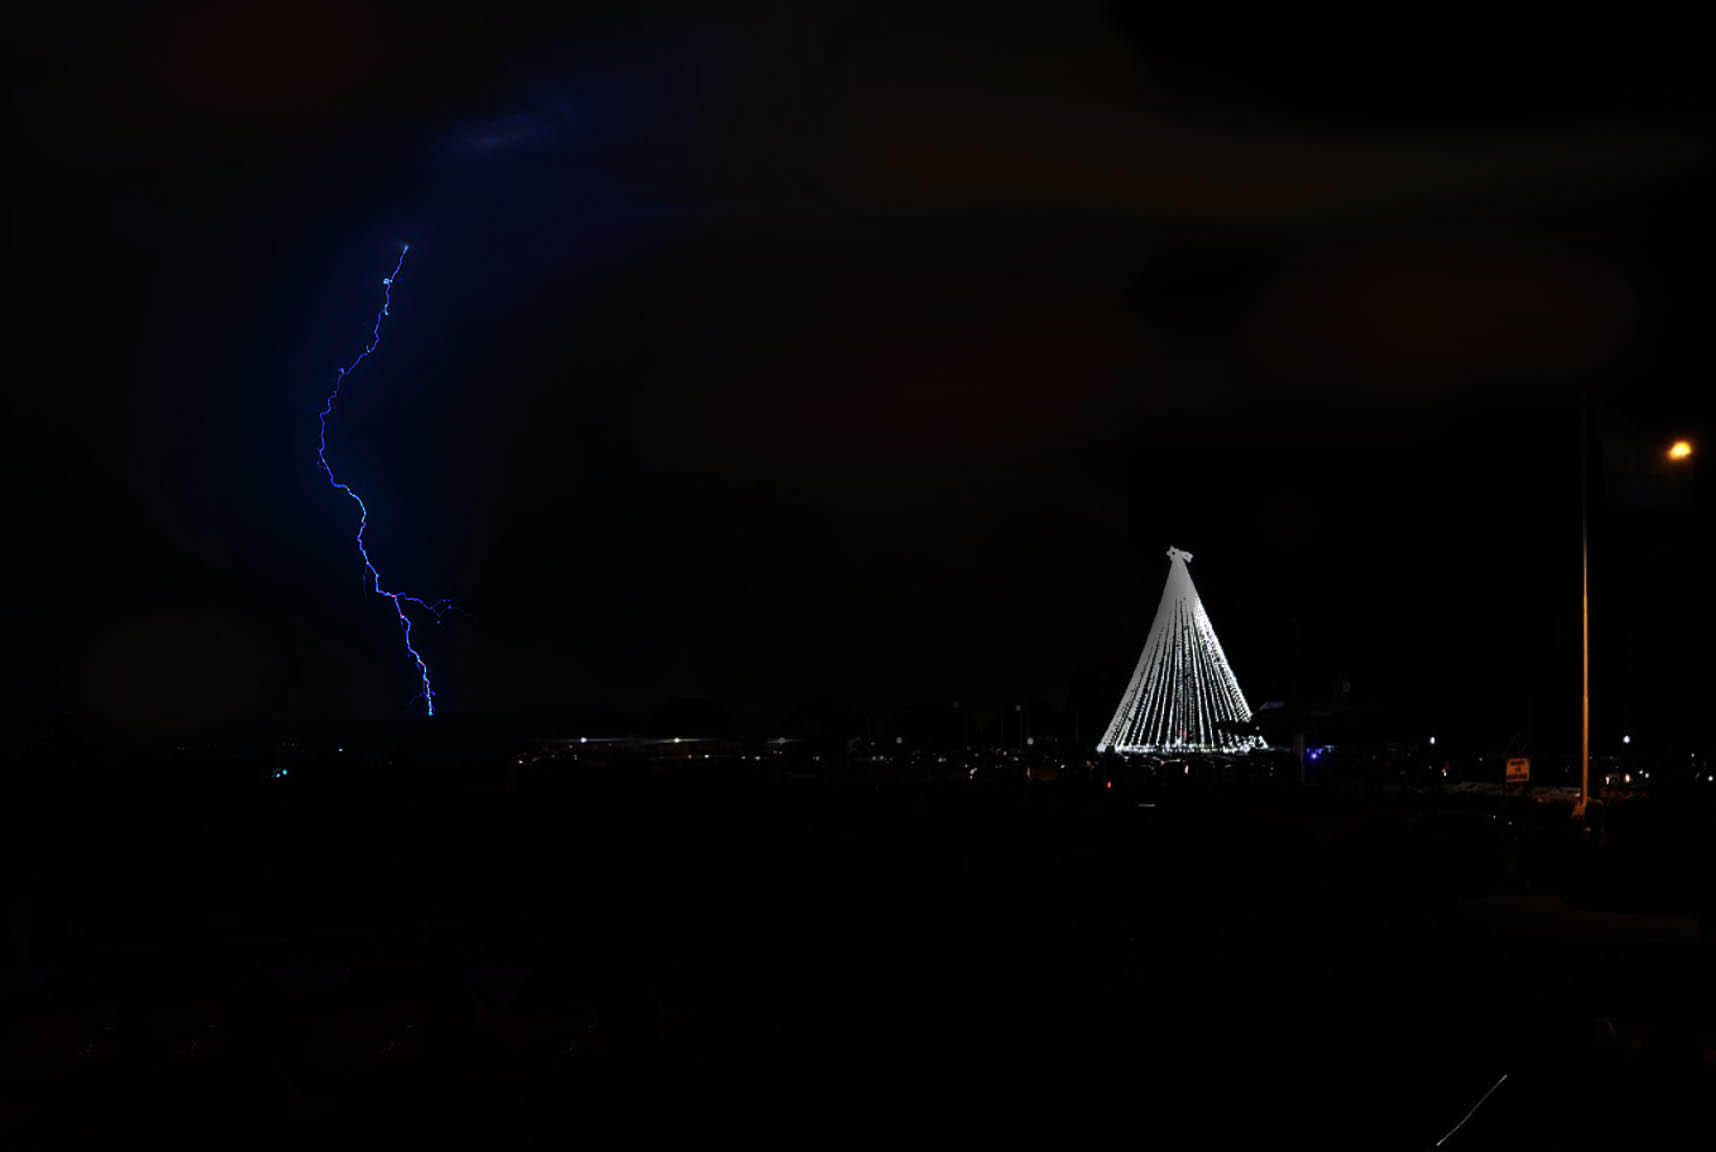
(798, 961)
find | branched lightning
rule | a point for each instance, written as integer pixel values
(399, 599)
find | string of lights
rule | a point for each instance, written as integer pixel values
(1183, 697)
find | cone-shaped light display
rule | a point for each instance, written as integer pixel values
(1183, 697)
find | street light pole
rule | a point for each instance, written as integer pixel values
(1678, 454)
(1584, 621)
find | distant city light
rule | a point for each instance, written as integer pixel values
(1680, 450)
(1626, 739)
(1432, 740)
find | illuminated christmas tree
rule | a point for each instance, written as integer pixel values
(1183, 697)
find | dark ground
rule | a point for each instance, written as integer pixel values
(801, 960)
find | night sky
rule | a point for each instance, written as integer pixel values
(856, 353)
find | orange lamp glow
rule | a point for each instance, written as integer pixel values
(1680, 450)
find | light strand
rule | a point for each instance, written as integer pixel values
(1183, 696)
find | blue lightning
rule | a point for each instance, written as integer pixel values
(400, 599)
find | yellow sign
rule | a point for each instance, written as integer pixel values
(1519, 770)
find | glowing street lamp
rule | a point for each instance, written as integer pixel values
(1678, 451)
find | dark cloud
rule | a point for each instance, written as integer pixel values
(840, 351)
(931, 149)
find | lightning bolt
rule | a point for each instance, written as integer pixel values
(399, 599)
